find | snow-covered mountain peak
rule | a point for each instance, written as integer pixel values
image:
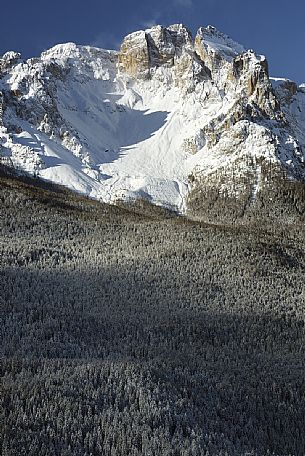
(8, 60)
(11, 56)
(62, 51)
(81, 60)
(176, 120)
(217, 43)
(66, 51)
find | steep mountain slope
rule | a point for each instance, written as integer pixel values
(136, 336)
(196, 125)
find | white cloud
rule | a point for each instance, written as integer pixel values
(152, 20)
(106, 41)
(148, 23)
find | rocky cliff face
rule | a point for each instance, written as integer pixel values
(142, 52)
(193, 124)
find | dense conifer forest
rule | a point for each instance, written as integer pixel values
(128, 331)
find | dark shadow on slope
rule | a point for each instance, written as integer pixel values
(131, 126)
(238, 377)
(125, 126)
(141, 125)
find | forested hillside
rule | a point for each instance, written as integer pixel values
(132, 332)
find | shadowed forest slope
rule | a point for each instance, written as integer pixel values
(131, 332)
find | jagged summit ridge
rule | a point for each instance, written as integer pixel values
(169, 117)
(219, 42)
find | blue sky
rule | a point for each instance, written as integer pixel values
(275, 28)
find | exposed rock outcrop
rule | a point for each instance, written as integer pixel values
(144, 51)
